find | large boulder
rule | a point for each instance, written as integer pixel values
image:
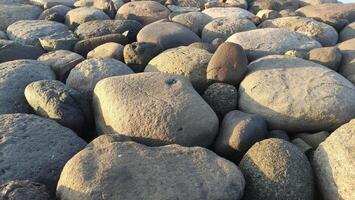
(231, 12)
(333, 163)
(323, 33)
(269, 41)
(14, 77)
(23, 190)
(347, 68)
(296, 95)
(276, 169)
(127, 170)
(35, 149)
(11, 13)
(154, 109)
(10, 50)
(78, 16)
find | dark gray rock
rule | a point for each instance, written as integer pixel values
(10, 50)
(11, 13)
(280, 134)
(23, 190)
(56, 13)
(313, 139)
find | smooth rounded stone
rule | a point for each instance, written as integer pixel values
(328, 11)
(123, 105)
(326, 56)
(128, 170)
(287, 91)
(138, 54)
(316, 2)
(167, 35)
(270, 41)
(276, 169)
(230, 3)
(83, 47)
(50, 3)
(189, 62)
(202, 45)
(319, 31)
(256, 5)
(195, 21)
(11, 13)
(302, 145)
(84, 76)
(107, 50)
(10, 50)
(54, 100)
(347, 68)
(237, 13)
(60, 41)
(23, 190)
(313, 139)
(34, 148)
(56, 13)
(238, 132)
(222, 98)
(61, 62)
(280, 134)
(347, 33)
(107, 139)
(84, 3)
(268, 14)
(108, 6)
(31, 32)
(145, 12)
(333, 164)
(228, 64)
(3, 35)
(14, 77)
(187, 3)
(98, 28)
(225, 27)
(78, 16)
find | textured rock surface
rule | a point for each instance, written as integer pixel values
(78, 16)
(23, 190)
(195, 21)
(107, 50)
(328, 56)
(347, 33)
(347, 68)
(228, 12)
(22, 12)
(10, 50)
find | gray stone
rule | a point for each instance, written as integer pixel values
(313, 139)
(11, 13)
(108, 138)
(347, 68)
(302, 145)
(203, 45)
(280, 134)
(315, 2)
(187, 3)
(23, 190)
(10, 50)
(78, 16)
(56, 13)
(326, 56)
(51, 3)
(107, 50)
(195, 21)
(268, 14)
(3, 35)
(237, 13)
(347, 33)
(256, 5)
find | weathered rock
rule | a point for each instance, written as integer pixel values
(326, 56)
(189, 62)
(14, 77)
(138, 54)
(107, 50)
(313, 139)
(333, 164)
(84, 3)
(86, 74)
(287, 13)
(228, 64)
(195, 21)
(10, 50)
(229, 3)
(187, 3)
(123, 105)
(50, 3)
(194, 170)
(276, 169)
(167, 35)
(103, 140)
(56, 13)
(54, 100)
(280, 134)
(269, 41)
(60, 41)
(23, 190)
(225, 27)
(238, 132)
(35, 149)
(61, 62)
(296, 95)
(11, 13)
(203, 45)
(145, 12)
(222, 98)
(268, 14)
(78, 16)
(108, 6)
(347, 33)
(304, 54)
(319, 31)
(347, 68)
(316, 2)
(237, 13)
(256, 5)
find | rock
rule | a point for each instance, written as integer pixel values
(85, 46)
(347, 33)
(104, 27)
(187, 3)
(145, 12)
(217, 42)
(11, 13)
(81, 15)
(167, 35)
(302, 145)
(10, 50)
(313, 139)
(237, 13)
(14, 2)
(333, 164)
(61, 41)
(123, 105)
(195, 21)
(225, 27)
(287, 13)
(326, 56)
(31, 32)
(287, 91)
(3, 35)
(222, 98)
(61, 62)
(54, 100)
(280, 134)
(256, 5)
(229, 3)
(172, 171)
(347, 68)
(14, 77)
(238, 132)
(86, 74)
(319, 31)
(189, 62)
(276, 169)
(268, 14)
(269, 41)
(51, 3)
(328, 11)
(316, 2)
(23, 190)
(35, 149)
(107, 50)
(108, 138)
(108, 6)
(56, 13)
(298, 53)
(138, 54)
(202, 45)
(228, 64)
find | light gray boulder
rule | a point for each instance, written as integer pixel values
(11, 13)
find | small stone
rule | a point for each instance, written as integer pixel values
(107, 50)
(313, 139)
(23, 190)
(327, 56)
(268, 14)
